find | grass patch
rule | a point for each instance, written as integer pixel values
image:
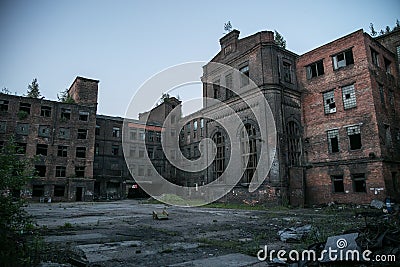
(174, 200)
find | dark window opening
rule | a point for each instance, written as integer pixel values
(116, 131)
(388, 65)
(25, 107)
(38, 190)
(354, 134)
(343, 59)
(219, 161)
(115, 150)
(315, 69)
(62, 151)
(81, 152)
(229, 86)
(4, 105)
(249, 152)
(61, 171)
(45, 111)
(96, 149)
(338, 185)
(287, 72)
(59, 190)
(65, 114)
(359, 183)
(382, 94)
(41, 149)
(80, 171)
(82, 133)
(333, 141)
(216, 89)
(375, 57)
(294, 144)
(97, 130)
(244, 78)
(40, 170)
(83, 115)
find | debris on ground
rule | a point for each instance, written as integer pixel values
(294, 234)
(160, 215)
(377, 204)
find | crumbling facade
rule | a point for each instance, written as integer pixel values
(59, 136)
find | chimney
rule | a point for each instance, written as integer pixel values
(267, 37)
(229, 41)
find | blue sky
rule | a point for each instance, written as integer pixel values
(123, 43)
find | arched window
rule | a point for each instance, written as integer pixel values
(294, 145)
(219, 162)
(249, 151)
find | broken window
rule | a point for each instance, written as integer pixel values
(229, 86)
(45, 111)
(114, 150)
(3, 126)
(388, 65)
(22, 128)
(41, 149)
(82, 133)
(96, 149)
(40, 170)
(44, 131)
(382, 94)
(287, 72)
(388, 136)
(315, 69)
(249, 152)
(333, 140)
(329, 102)
(62, 151)
(65, 114)
(343, 59)
(59, 190)
(80, 171)
(83, 115)
(216, 89)
(81, 152)
(354, 134)
(337, 182)
(349, 97)
(97, 130)
(294, 146)
(38, 190)
(375, 57)
(21, 148)
(359, 183)
(116, 131)
(4, 105)
(25, 107)
(61, 171)
(64, 133)
(244, 78)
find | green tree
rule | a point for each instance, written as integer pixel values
(33, 89)
(279, 40)
(373, 32)
(16, 226)
(65, 97)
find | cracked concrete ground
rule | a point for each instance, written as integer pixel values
(123, 233)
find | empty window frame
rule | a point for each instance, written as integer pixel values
(41, 149)
(229, 86)
(329, 102)
(333, 140)
(81, 152)
(116, 131)
(80, 171)
(354, 133)
(45, 111)
(61, 171)
(96, 149)
(4, 105)
(216, 89)
(287, 72)
(44, 131)
(40, 170)
(83, 115)
(315, 69)
(97, 130)
(337, 183)
(375, 57)
(343, 59)
(59, 190)
(349, 97)
(388, 65)
(359, 183)
(388, 136)
(244, 78)
(64, 133)
(82, 133)
(3, 127)
(62, 151)
(382, 94)
(22, 128)
(65, 114)
(25, 107)
(115, 150)
(294, 143)
(249, 152)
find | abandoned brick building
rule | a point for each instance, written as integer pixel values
(59, 136)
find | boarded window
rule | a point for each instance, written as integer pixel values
(81, 152)
(315, 69)
(349, 97)
(64, 133)
(333, 140)
(41, 149)
(45, 111)
(354, 134)
(337, 182)
(44, 131)
(359, 183)
(329, 102)
(343, 59)
(22, 129)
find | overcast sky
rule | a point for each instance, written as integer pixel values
(123, 43)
